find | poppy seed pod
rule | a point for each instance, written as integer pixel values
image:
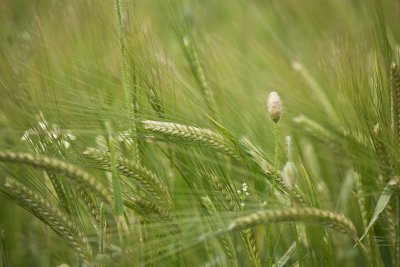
(274, 105)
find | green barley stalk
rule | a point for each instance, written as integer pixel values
(386, 166)
(314, 129)
(395, 108)
(193, 134)
(77, 175)
(252, 152)
(59, 189)
(89, 201)
(298, 245)
(382, 153)
(395, 99)
(131, 103)
(50, 215)
(225, 195)
(305, 215)
(247, 236)
(102, 228)
(153, 213)
(250, 241)
(365, 216)
(198, 73)
(145, 178)
(397, 241)
(116, 183)
(225, 241)
(275, 177)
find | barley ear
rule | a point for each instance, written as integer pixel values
(198, 73)
(305, 215)
(382, 152)
(214, 220)
(77, 175)
(395, 99)
(50, 215)
(191, 134)
(131, 103)
(315, 129)
(145, 178)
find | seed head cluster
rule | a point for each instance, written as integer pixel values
(274, 106)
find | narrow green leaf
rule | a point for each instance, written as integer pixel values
(380, 206)
(285, 257)
(116, 182)
(3, 250)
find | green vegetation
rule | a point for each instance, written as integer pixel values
(199, 133)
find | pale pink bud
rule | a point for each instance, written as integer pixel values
(274, 105)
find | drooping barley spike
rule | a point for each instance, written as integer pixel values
(153, 96)
(226, 196)
(213, 219)
(131, 103)
(267, 170)
(395, 98)
(198, 73)
(89, 202)
(102, 229)
(305, 215)
(152, 212)
(229, 250)
(188, 133)
(315, 129)
(50, 215)
(145, 178)
(58, 188)
(362, 201)
(151, 209)
(77, 175)
(86, 197)
(250, 240)
(382, 153)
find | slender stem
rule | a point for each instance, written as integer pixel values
(397, 241)
(118, 220)
(268, 235)
(275, 159)
(131, 104)
(101, 228)
(296, 237)
(269, 230)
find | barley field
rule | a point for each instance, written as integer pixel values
(200, 133)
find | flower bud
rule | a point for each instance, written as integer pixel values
(274, 105)
(289, 174)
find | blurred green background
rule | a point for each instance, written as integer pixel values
(62, 58)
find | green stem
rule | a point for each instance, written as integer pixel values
(397, 241)
(275, 159)
(269, 228)
(268, 235)
(298, 248)
(130, 103)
